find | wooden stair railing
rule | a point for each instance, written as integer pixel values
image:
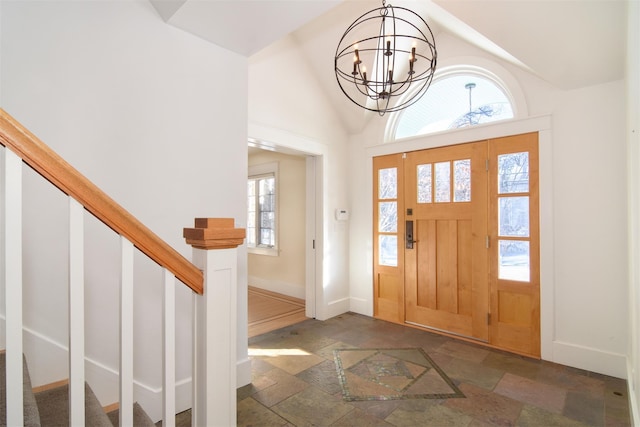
(214, 244)
(71, 182)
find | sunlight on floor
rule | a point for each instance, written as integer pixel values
(275, 352)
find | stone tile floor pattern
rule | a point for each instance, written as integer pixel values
(295, 381)
(391, 374)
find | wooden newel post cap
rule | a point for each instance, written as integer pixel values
(214, 233)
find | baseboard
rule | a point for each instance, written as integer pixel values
(361, 306)
(590, 359)
(633, 395)
(334, 308)
(277, 286)
(243, 372)
(47, 359)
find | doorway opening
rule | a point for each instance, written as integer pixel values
(281, 237)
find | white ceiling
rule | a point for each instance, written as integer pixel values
(242, 26)
(568, 43)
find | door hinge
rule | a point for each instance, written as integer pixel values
(486, 165)
(313, 243)
(487, 242)
(404, 155)
(488, 318)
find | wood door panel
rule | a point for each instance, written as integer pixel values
(514, 308)
(446, 272)
(439, 320)
(446, 266)
(443, 210)
(426, 265)
(465, 271)
(515, 338)
(388, 291)
(444, 277)
(389, 286)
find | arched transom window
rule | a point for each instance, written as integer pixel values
(452, 102)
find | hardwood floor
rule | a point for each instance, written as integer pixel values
(269, 311)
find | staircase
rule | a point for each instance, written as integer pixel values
(50, 407)
(214, 267)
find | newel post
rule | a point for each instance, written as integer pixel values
(215, 242)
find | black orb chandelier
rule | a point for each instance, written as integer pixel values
(398, 46)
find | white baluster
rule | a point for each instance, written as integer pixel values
(126, 333)
(13, 284)
(168, 345)
(76, 313)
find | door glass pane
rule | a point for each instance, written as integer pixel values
(388, 217)
(462, 180)
(513, 216)
(514, 260)
(513, 173)
(443, 182)
(388, 250)
(388, 183)
(424, 183)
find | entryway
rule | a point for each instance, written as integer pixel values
(282, 222)
(456, 235)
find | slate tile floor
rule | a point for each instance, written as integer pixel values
(296, 383)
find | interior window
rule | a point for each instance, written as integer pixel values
(262, 209)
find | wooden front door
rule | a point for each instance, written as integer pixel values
(456, 241)
(446, 278)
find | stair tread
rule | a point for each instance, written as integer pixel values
(53, 405)
(140, 417)
(31, 416)
(50, 407)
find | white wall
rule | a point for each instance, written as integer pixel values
(138, 107)
(284, 273)
(286, 109)
(583, 212)
(590, 218)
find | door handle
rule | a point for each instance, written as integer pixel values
(408, 235)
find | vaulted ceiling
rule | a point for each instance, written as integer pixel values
(568, 43)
